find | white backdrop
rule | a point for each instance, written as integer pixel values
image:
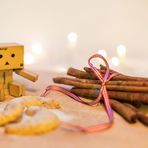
(98, 25)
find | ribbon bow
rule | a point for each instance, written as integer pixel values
(102, 94)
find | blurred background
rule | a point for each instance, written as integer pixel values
(59, 34)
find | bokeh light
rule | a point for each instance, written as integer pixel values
(28, 58)
(115, 61)
(72, 37)
(121, 51)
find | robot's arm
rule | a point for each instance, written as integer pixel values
(27, 74)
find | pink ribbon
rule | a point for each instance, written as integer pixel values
(102, 94)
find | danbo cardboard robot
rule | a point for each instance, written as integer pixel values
(12, 59)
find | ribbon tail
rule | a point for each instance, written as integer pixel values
(107, 105)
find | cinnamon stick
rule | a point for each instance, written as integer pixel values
(80, 74)
(122, 83)
(117, 95)
(85, 75)
(140, 115)
(122, 76)
(87, 69)
(102, 67)
(143, 118)
(126, 112)
(77, 83)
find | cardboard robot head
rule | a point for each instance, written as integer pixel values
(11, 56)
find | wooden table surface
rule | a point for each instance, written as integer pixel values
(121, 135)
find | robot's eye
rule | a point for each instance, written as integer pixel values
(12, 55)
(1, 56)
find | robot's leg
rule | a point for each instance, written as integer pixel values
(2, 95)
(16, 89)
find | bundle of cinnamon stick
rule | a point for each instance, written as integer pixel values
(126, 93)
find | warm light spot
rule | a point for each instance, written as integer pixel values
(115, 61)
(28, 59)
(72, 37)
(103, 53)
(121, 51)
(37, 48)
